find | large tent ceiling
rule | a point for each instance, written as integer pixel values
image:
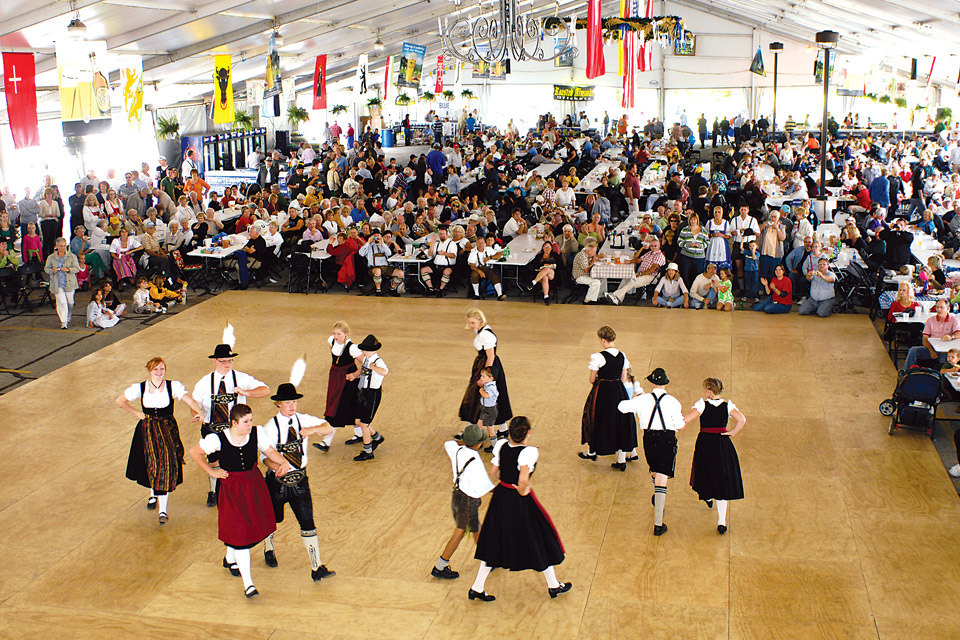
(177, 37)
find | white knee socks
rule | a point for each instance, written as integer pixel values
(243, 563)
(498, 288)
(357, 431)
(313, 549)
(551, 577)
(621, 456)
(213, 482)
(482, 574)
(722, 512)
(659, 500)
(328, 439)
(268, 543)
(231, 556)
(162, 502)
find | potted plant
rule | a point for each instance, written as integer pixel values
(167, 128)
(466, 93)
(296, 115)
(242, 120)
(885, 99)
(403, 100)
(901, 102)
(944, 114)
(374, 105)
(428, 96)
(449, 95)
(338, 108)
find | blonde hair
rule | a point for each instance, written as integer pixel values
(934, 262)
(713, 385)
(475, 314)
(342, 326)
(905, 287)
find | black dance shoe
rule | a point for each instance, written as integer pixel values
(563, 588)
(323, 446)
(233, 568)
(363, 456)
(587, 456)
(354, 440)
(659, 529)
(270, 558)
(163, 517)
(211, 498)
(709, 504)
(152, 503)
(488, 448)
(632, 458)
(322, 572)
(377, 443)
(446, 573)
(620, 466)
(251, 591)
(721, 529)
(482, 595)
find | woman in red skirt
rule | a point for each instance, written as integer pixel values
(245, 511)
(342, 383)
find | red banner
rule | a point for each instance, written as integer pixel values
(595, 63)
(439, 88)
(20, 90)
(645, 60)
(320, 83)
(386, 78)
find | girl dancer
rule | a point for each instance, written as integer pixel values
(341, 384)
(485, 343)
(604, 429)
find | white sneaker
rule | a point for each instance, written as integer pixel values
(954, 471)
(612, 299)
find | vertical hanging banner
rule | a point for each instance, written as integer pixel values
(255, 90)
(363, 67)
(438, 89)
(630, 10)
(320, 83)
(386, 78)
(288, 93)
(20, 90)
(131, 85)
(757, 65)
(645, 59)
(595, 62)
(84, 89)
(272, 83)
(564, 59)
(498, 70)
(222, 90)
(411, 64)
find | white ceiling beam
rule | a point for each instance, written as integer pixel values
(40, 14)
(925, 8)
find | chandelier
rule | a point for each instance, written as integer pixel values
(507, 33)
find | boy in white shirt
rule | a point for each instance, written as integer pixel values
(470, 483)
(371, 371)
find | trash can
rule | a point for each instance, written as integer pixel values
(388, 138)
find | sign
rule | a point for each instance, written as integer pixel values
(818, 65)
(222, 90)
(481, 69)
(255, 89)
(438, 88)
(131, 83)
(685, 47)
(565, 59)
(573, 93)
(272, 83)
(20, 91)
(84, 89)
(757, 65)
(320, 83)
(411, 64)
(363, 66)
(498, 70)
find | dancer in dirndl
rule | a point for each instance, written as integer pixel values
(245, 511)
(604, 429)
(485, 343)
(156, 453)
(715, 475)
(342, 384)
(517, 532)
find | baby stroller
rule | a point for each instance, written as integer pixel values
(914, 402)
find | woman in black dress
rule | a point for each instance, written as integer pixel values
(716, 467)
(342, 383)
(603, 428)
(156, 452)
(517, 533)
(486, 345)
(545, 267)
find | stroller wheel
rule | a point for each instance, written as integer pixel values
(893, 426)
(887, 407)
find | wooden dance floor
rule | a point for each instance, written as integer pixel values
(845, 532)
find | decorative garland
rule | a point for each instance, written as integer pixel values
(666, 29)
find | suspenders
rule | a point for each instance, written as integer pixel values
(456, 481)
(657, 412)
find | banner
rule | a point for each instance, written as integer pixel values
(320, 83)
(574, 93)
(757, 65)
(272, 83)
(629, 43)
(481, 69)
(386, 78)
(498, 70)
(131, 84)
(818, 66)
(565, 59)
(411, 64)
(438, 89)
(645, 59)
(363, 64)
(288, 92)
(255, 90)
(20, 90)
(84, 89)
(222, 90)
(595, 63)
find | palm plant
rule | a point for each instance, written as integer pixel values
(297, 115)
(242, 120)
(167, 128)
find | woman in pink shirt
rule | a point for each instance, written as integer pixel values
(942, 326)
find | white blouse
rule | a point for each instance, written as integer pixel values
(597, 360)
(211, 442)
(484, 339)
(700, 405)
(527, 458)
(337, 349)
(155, 398)
(117, 247)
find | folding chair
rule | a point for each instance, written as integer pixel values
(31, 282)
(192, 273)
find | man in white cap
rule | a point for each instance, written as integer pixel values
(660, 415)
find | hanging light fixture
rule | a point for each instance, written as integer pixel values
(277, 38)
(76, 29)
(378, 45)
(509, 33)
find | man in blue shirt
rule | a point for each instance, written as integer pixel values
(471, 123)
(821, 298)
(435, 162)
(880, 189)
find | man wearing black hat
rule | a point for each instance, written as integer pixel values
(217, 392)
(660, 415)
(287, 433)
(371, 374)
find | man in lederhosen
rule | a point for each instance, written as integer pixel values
(217, 392)
(287, 433)
(660, 415)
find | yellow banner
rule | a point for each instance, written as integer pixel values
(222, 90)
